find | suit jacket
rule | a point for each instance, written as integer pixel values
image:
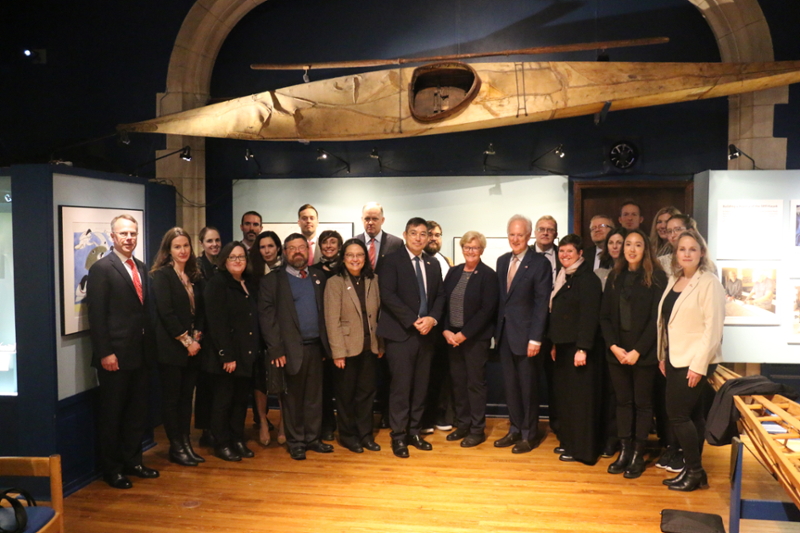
(480, 301)
(522, 310)
(575, 313)
(174, 315)
(120, 323)
(343, 319)
(400, 294)
(231, 326)
(589, 253)
(389, 244)
(695, 326)
(280, 325)
(644, 315)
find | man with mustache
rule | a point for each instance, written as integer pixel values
(292, 318)
(251, 227)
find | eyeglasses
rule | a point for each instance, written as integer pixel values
(471, 248)
(599, 226)
(354, 256)
(292, 249)
(546, 230)
(126, 234)
(673, 231)
(237, 258)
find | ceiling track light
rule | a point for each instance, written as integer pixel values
(186, 155)
(375, 155)
(486, 153)
(324, 154)
(250, 156)
(735, 153)
(558, 151)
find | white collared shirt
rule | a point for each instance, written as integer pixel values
(125, 264)
(421, 266)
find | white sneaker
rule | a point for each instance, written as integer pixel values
(443, 427)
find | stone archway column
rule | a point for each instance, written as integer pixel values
(743, 35)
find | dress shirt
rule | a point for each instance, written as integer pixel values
(124, 262)
(550, 255)
(292, 271)
(598, 251)
(443, 263)
(422, 266)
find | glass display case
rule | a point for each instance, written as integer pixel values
(8, 337)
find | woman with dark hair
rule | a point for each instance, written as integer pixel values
(611, 252)
(179, 326)
(265, 257)
(352, 302)
(658, 231)
(210, 243)
(232, 323)
(472, 293)
(573, 329)
(628, 318)
(330, 245)
(690, 322)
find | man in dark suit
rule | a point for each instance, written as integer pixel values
(412, 302)
(292, 318)
(308, 222)
(599, 228)
(379, 243)
(526, 281)
(121, 339)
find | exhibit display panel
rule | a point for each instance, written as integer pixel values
(754, 238)
(8, 337)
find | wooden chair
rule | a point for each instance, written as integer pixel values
(40, 467)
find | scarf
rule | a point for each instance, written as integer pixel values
(561, 279)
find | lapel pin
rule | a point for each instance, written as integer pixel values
(317, 282)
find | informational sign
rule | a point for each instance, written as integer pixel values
(749, 229)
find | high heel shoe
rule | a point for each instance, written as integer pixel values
(694, 479)
(263, 435)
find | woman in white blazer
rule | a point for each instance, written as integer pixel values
(690, 319)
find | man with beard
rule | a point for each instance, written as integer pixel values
(292, 318)
(251, 227)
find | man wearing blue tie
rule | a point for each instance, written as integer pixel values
(412, 302)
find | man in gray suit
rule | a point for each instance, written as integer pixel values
(379, 243)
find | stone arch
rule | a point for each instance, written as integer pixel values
(739, 26)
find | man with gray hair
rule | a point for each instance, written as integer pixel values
(379, 243)
(526, 281)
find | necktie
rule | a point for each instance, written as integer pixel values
(310, 253)
(303, 274)
(372, 255)
(512, 271)
(137, 281)
(423, 300)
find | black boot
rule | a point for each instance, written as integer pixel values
(226, 453)
(242, 450)
(207, 439)
(694, 479)
(677, 479)
(187, 445)
(636, 466)
(624, 458)
(179, 455)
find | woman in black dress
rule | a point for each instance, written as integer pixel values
(232, 323)
(574, 325)
(179, 326)
(628, 318)
(210, 244)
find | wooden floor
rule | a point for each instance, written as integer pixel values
(447, 490)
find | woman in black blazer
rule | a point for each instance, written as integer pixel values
(179, 326)
(628, 317)
(232, 323)
(472, 292)
(573, 329)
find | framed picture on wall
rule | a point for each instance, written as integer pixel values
(793, 312)
(751, 292)
(85, 238)
(284, 229)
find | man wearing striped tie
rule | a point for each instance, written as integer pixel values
(121, 347)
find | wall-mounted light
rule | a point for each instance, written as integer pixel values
(735, 153)
(486, 153)
(375, 155)
(558, 151)
(250, 156)
(324, 154)
(186, 155)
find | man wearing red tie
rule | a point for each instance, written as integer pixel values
(379, 243)
(308, 221)
(121, 343)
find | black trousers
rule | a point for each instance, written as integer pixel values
(633, 388)
(410, 366)
(666, 437)
(328, 396)
(521, 378)
(122, 417)
(439, 406)
(686, 413)
(302, 401)
(203, 400)
(548, 365)
(229, 407)
(468, 373)
(177, 391)
(354, 386)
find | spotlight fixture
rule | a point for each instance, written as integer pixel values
(734, 153)
(123, 138)
(324, 154)
(558, 151)
(486, 153)
(374, 155)
(7, 198)
(248, 155)
(37, 56)
(186, 155)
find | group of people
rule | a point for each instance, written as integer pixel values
(623, 328)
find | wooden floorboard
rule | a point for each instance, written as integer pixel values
(447, 490)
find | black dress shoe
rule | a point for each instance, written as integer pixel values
(559, 450)
(473, 439)
(297, 453)
(141, 471)
(319, 447)
(523, 446)
(355, 448)
(187, 445)
(207, 439)
(226, 453)
(371, 445)
(242, 450)
(509, 440)
(399, 448)
(328, 435)
(118, 481)
(566, 458)
(419, 443)
(458, 434)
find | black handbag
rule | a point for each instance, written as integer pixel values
(675, 521)
(20, 521)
